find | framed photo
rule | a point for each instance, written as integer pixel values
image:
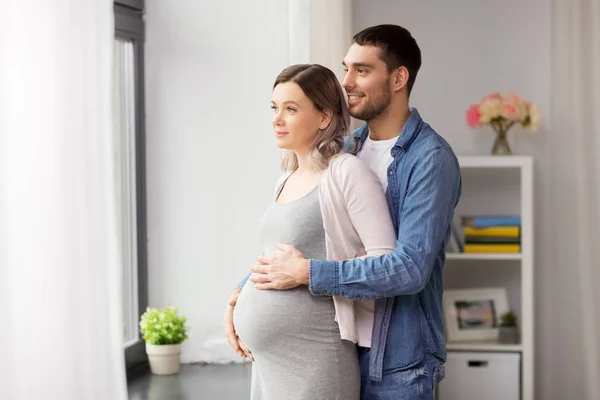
(474, 314)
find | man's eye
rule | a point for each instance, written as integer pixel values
(361, 71)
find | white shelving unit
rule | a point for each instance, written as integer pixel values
(499, 185)
(483, 346)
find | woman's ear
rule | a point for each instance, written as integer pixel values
(326, 117)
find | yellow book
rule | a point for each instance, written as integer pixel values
(492, 248)
(493, 231)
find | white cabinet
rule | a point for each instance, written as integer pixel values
(476, 376)
(495, 186)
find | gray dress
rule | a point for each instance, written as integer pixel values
(294, 339)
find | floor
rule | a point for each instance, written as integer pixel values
(195, 382)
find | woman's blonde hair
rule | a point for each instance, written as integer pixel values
(322, 87)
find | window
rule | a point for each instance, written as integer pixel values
(125, 178)
(130, 179)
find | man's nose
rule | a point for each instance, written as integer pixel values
(348, 82)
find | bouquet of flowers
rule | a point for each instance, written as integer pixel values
(501, 113)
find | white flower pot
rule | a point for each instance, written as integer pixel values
(165, 359)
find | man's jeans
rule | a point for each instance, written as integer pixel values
(417, 383)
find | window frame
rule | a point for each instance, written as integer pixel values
(129, 25)
(133, 4)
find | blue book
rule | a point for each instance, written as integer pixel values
(483, 222)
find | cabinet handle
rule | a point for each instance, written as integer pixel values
(478, 363)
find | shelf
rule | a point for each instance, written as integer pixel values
(484, 256)
(483, 346)
(497, 186)
(495, 161)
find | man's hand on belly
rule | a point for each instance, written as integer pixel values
(283, 269)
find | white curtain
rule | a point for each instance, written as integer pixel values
(570, 335)
(320, 32)
(61, 326)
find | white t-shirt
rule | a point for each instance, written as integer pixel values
(377, 155)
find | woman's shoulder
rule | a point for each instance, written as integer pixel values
(345, 163)
(345, 160)
(348, 172)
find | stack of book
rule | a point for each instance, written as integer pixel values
(492, 234)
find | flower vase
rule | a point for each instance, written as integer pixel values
(501, 146)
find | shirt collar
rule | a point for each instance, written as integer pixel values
(408, 134)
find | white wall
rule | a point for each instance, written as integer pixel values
(211, 158)
(471, 48)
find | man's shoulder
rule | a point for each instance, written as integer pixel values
(429, 143)
(428, 139)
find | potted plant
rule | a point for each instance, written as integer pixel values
(163, 330)
(508, 332)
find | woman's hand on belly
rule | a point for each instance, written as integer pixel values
(246, 351)
(232, 338)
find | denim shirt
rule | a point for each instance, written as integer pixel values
(424, 186)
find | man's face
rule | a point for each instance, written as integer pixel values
(367, 82)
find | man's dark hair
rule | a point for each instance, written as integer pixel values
(398, 48)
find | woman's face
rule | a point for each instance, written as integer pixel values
(295, 119)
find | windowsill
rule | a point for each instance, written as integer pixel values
(133, 342)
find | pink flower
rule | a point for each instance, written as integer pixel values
(473, 116)
(511, 111)
(513, 108)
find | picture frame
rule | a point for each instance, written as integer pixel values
(474, 314)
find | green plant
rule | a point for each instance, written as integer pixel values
(508, 319)
(163, 326)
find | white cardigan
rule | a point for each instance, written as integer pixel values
(356, 220)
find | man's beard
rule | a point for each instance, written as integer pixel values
(372, 109)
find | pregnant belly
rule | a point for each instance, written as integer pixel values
(268, 319)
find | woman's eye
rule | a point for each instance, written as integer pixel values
(291, 109)
(273, 107)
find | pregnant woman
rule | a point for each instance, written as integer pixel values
(330, 206)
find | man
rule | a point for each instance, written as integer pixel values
(403, 355)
